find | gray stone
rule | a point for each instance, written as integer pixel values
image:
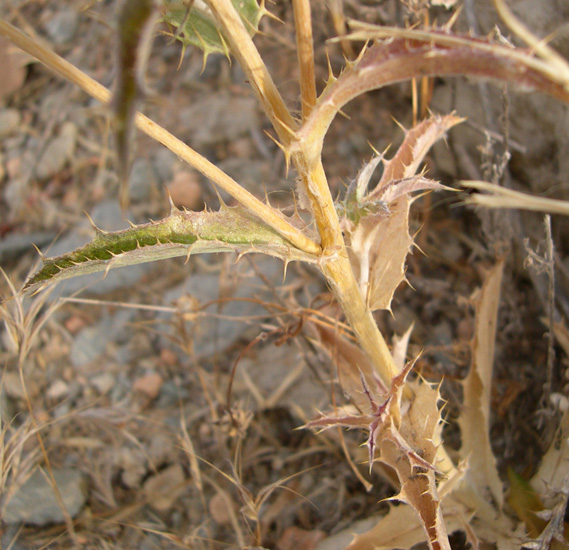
(14, 194)
(9, 122)
(35, 502)
(58, 152)
(13, 244)
(163, 162)
(108, 216)
(9, 538)
(62, 27)
(91, 341)
(142, 180)
(248, 173)
(219, 117)
(270, 367)
(88, 345)
(228, 320)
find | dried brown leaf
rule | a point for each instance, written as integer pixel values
(482, 474)
(351, 362)
(407, 161)
(399, 349)
(378, 238)
(553, 470)
(378, 247)
(400, 528)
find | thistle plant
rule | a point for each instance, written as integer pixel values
(359, 242)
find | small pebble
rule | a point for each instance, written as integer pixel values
(35, 503)
(58, 152)
(165, 487)
(62, 27)
(185, 190)
(150, 385)
(57, 391)
(9, 122)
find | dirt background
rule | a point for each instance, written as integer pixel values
(128, 381)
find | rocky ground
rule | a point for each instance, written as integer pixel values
(126, 377)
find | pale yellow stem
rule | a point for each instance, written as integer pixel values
(65, 69)
(305, 49)
(339, 21)
(337, 268)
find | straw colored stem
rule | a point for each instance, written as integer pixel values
(501, 197)
(338, 271)
(557, 63)
(305, 49)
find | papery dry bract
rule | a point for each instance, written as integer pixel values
(377, 237)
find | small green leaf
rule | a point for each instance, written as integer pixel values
(198, 27)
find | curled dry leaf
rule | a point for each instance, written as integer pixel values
(377, 223)
(399, 528)
(552, 483)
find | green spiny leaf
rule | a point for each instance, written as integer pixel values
(180, 234)
(195, 25)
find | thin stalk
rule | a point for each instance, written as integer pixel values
(311, 174)
(305, 49)
(500, 197)
(68, 71)
(339, 21)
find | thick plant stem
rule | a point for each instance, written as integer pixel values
(339, 274)
(335, 263)
(340, 277)
(68, 71)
